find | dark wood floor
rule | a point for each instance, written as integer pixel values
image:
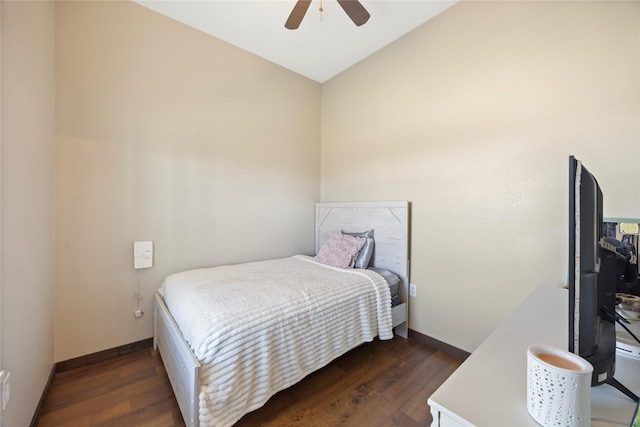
(383, 383)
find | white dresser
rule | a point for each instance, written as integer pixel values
(490, 387)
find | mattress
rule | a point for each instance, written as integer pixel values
(261, 327)
(393, 280)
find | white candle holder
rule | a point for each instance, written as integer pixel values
(556, 395)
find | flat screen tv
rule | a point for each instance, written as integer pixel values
(592, 279)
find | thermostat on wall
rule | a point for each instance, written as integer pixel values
(142, 254)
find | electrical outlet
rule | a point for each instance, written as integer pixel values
(412, 289)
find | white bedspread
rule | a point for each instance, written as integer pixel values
(261, 327)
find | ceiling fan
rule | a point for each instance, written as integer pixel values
(352, 8)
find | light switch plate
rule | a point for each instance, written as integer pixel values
(142, 254)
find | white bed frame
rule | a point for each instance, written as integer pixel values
(390, 222)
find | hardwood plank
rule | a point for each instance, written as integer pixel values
(364, 387)
(383, 383)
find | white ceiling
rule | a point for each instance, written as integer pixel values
(318, 49)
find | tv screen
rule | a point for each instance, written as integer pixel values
(592, 279)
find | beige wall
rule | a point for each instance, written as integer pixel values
(163, 133)
(166, 134)
(28, 126)
(472, 117)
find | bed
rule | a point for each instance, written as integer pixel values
(297, 314)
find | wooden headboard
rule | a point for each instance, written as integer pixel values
(390, 224)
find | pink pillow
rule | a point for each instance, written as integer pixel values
(341, 250)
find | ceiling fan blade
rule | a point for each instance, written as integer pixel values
(298, 12)
(355, 11)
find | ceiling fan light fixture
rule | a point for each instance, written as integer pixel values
(353, 8)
